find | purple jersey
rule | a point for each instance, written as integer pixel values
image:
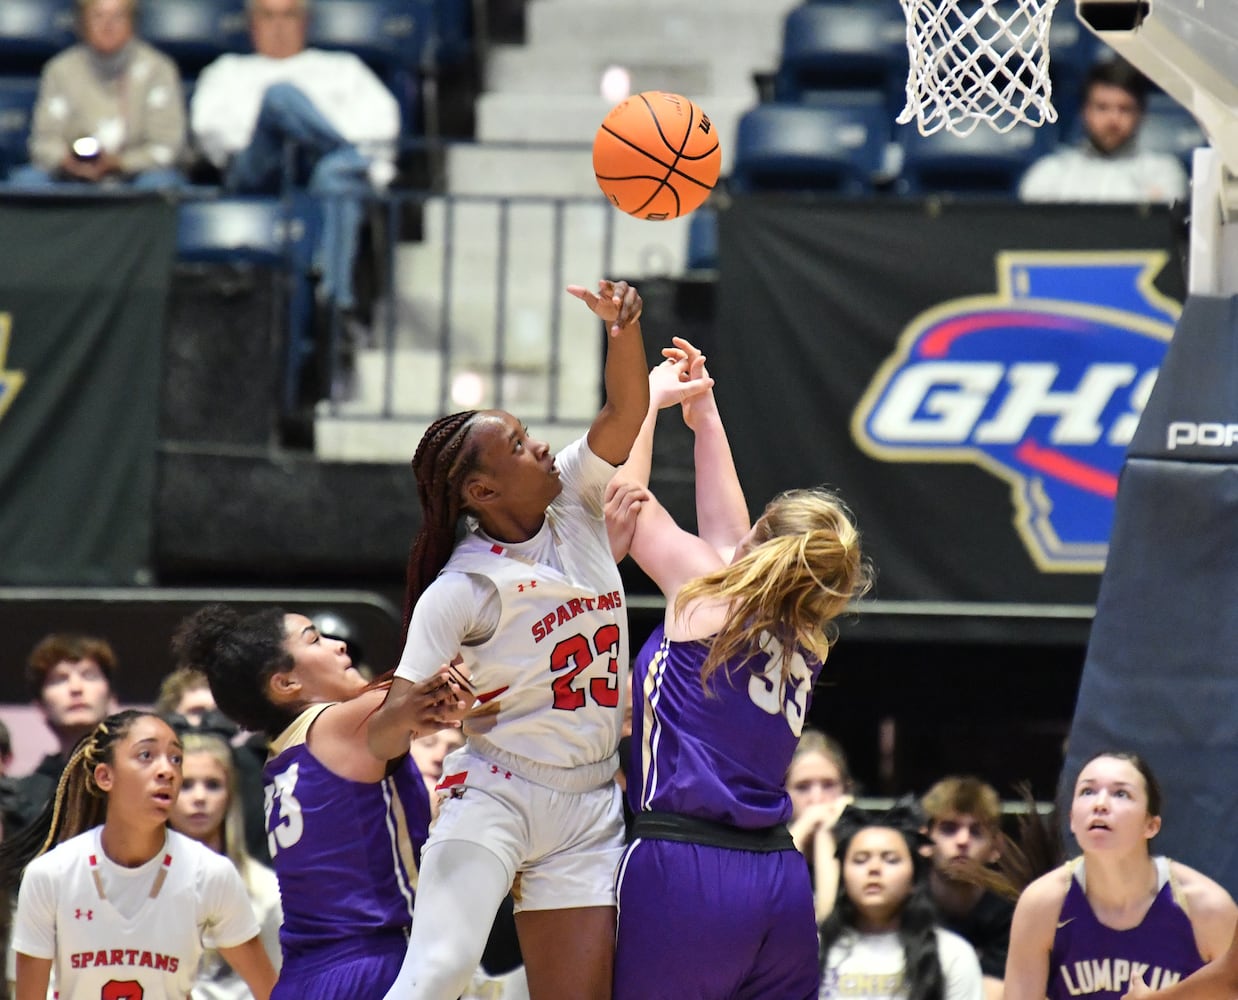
(346, 852)
(1090, 959)
(721, 756)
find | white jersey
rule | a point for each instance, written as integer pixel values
(65, 913)
(551, 675)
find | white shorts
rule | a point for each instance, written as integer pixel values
(560, 849)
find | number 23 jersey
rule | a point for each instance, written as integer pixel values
(552, 676)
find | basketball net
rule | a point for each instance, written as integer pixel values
(973, 62)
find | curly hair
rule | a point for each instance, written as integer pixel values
(239, 654)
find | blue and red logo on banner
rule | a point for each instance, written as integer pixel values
(10, 381)
(1041, 384)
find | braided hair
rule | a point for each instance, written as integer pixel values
(444, 457)
(922, 970)
(79, 803)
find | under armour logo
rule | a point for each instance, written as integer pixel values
(494, 769)
(88, 914)
(520, 586)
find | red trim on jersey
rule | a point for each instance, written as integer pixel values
(481, 699)
(497, 549)
(452, 780)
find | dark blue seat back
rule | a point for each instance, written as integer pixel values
(1169, 128)
(841, 46)
(194, 32)
(260, 230)
(393, 37)
(32, 31)
(983, 163)
(838, 146)
(17, 97)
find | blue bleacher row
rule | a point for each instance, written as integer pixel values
(403, 41)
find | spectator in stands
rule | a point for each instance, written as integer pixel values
(110, 108)
(70, 678)
(186, 692)
(209, 810)
(882, 938)
(337, 115)
(185, 699)
(1108, 165)
(820, 786)
(964, 824)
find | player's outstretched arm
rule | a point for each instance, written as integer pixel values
(411, 709)
(627, 387)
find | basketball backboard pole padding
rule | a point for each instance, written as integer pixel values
(1189, 48)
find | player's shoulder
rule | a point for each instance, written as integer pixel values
(1046, 894)
(1203, 895)
(64, 855)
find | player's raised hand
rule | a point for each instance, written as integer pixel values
(615, 302)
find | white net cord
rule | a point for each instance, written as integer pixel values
(973, 62)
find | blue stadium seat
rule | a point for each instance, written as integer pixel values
(17, 96)
(837, 147)
(393, 37)
(841, 46)
(703, 240)
(256, 230)
(31, 32)
(453, 32)
(984, 163)
(194, 32)
(1169, 128)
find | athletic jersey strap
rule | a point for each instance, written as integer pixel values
(690, 830)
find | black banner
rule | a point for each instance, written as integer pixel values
(83, 288)
(966, 374)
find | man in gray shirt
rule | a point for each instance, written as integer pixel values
(1108, 165)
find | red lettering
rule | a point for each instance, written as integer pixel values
(76, 960)
(162, 962)
(575, 606)
(563, 615)
(100, 958)
(617, 597)
(539, 631)
(175, 962)
(130, 954)
(606, 602)
(118, 957)
(589, 603)
(147, 961)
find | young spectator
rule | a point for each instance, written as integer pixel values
(341, 119)
(714, 898)
(186, 692)
(964, 825)
(345, 827)
(531, 601)
(208, 809)
(70, 678)
(112, 902)
(1090, 925)
(881, 940)
(428, 754)
(1108, 165)
(110, 109)
(820, 786)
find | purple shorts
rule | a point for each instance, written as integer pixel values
(361, 969)
(712, 922)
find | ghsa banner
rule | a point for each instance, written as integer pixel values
(1040, 384)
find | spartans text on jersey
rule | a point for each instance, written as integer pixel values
(125, 956)
(576, 606)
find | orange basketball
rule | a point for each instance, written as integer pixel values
(656, 155)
